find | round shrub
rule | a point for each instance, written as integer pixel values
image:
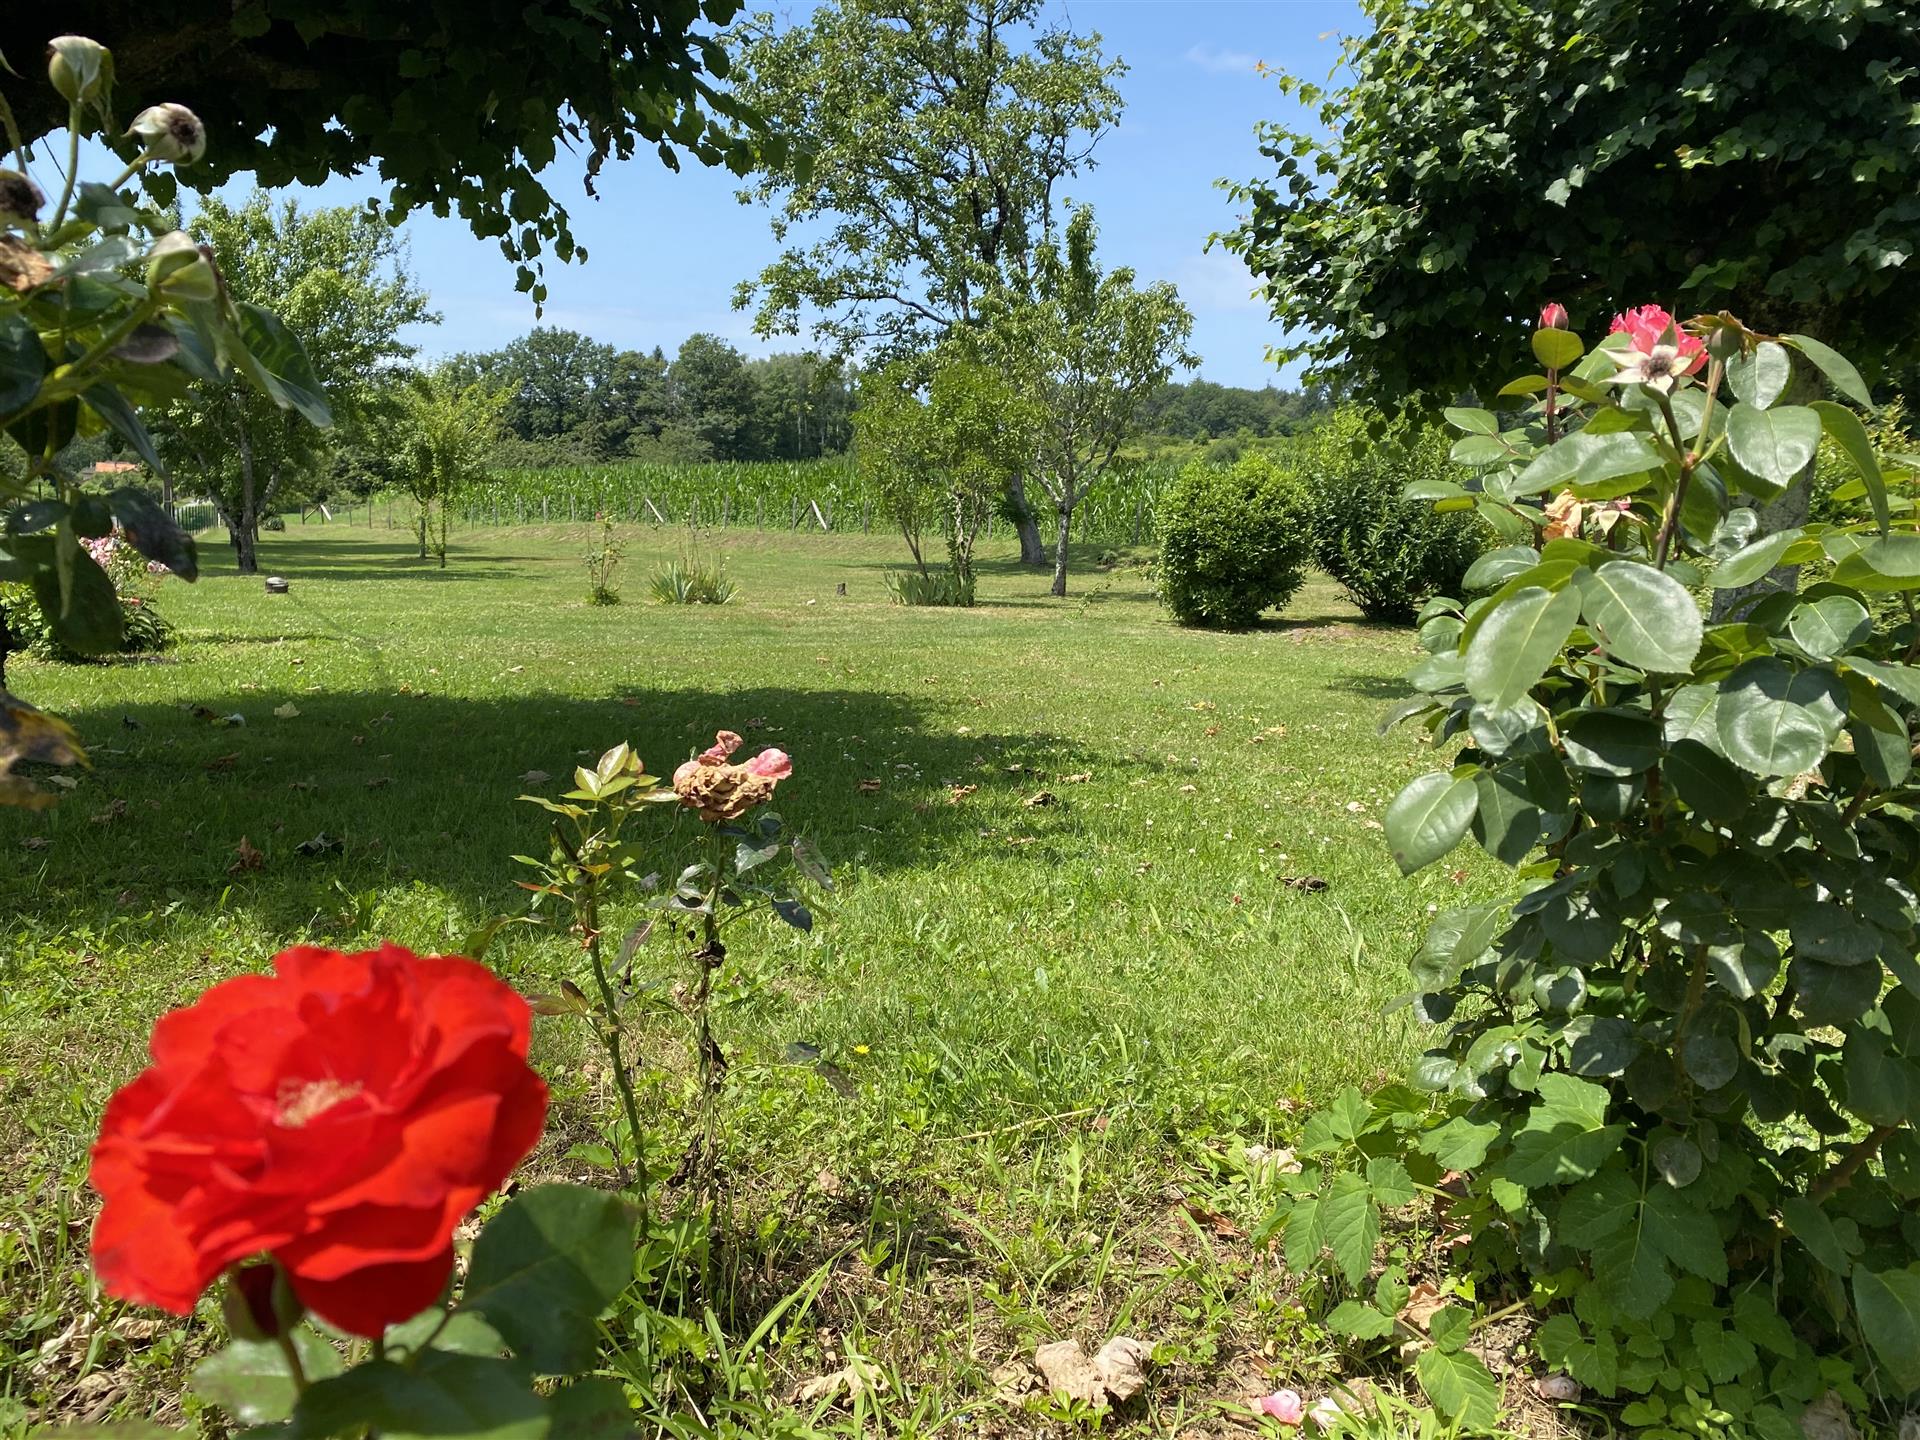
(1388, 553)
(1233, 541)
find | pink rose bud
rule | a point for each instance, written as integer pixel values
(1553, 316)
(1283, 1405)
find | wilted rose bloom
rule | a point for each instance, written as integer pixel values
(720, 790)
(1568, 513)
(1283, 1405)
(20, 198)
(170, 132)
(342, 1115)
(1553, 316)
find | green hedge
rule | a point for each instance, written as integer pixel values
(1234, 540)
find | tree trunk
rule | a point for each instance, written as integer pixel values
(1033, 550)
(420, 533)
(1060, 554)
(1786, 510)
(244, 539)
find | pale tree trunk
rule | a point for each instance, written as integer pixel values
(1033, 550)
(1785, 511)
(243, 527)
(1060, 552)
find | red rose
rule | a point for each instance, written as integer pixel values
(343, 1115)
(1553, 316)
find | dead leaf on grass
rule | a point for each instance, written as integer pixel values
(1423, 1301)
(1041, 798)
(535, 777)
(221, 763)
(1311, 884)
(35, 842)
(1221, 1225)
(288, 711)
(248, 858)
(1079, 778)
(868, 787)
(856, 1378)
(957, 793)
(1116, 1372)
(379, 782)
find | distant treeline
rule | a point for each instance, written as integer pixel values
(573, 400)
(1202, 410)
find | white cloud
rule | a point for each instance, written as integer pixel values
(1221, 61)
(1216, 281)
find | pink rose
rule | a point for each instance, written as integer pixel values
(1647, 325)
(1553, 316)
(719, 790)
(1283, 1405)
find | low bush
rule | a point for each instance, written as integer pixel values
(143, 629)
(1388, 553)
(1233, 541)
(936, 587)
(692, 579)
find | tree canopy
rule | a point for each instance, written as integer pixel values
(1484, 158)
(460, 105)
(936, 132)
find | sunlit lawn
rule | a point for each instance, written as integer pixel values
(1035, 1015)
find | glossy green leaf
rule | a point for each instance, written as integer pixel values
(1760, 378)
(1776, 720)
(1506, 821)
(1830, 626)
(276, 361)
(441, 1394)
(1843, 427)
(1472, 421)
(1745, 566)
(1814, 1228)
(1429, 818)
(1557, 349)
(251, 1381)
(1773, 445)
(23, 364)
(1518, 638)
(545, 1267)
(1641, 616)
(1839, 370)
(1496, 567)
(1706, 782)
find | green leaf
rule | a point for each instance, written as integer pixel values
(1830, 626)
(545, 1267)
(1392, 1185)
(1461, 1144)
(1472, 422)
(152, 532)
(1814, 1228)
(1775, 720)
(1641, 616)
(1846, 431)
(276, 361)
(1836, 367)
(1361, 1321)
(1506, 821)
(1565, 1137)
(1557, 349)
(1747, 565)
(1773, 445)
(79, 603)
(1602, 1207)
(1760, 378)
(1516, 641)
(1352, 1225)
(444, 1395)
(250, 1379)
(1496, 567)
(1459, 1384)
(1705, 781)
(1306, 1234)
(1477, 450)
(23, 364)
(1429, 818)
(1888, 1302)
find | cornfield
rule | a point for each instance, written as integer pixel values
(769, 495)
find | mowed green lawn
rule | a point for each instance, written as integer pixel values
(1013, 1027)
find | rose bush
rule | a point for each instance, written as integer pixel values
(342, 1115)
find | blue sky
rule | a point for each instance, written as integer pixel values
(667, 249)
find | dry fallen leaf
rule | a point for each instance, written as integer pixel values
(288, 711)
(535, 777)
(1312, 884)
(957, 793)
(1423, 1302)
(868, 787)
(249, 858)
(1080, 778)
(1117, 1372)
(856, 1378)
(1221, 1225)
(35, 842)
(221, 763)
(1040, 798)
(379, 782)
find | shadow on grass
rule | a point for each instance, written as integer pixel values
(364, 556)
(422, 789)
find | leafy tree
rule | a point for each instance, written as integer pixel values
(713, 394)
(937, 448)
(938, 132)
(558, 383)
(1486, 158)
(445, 435)
(338, 278)
(460, 104)
(803, 405)
(1086, 350)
